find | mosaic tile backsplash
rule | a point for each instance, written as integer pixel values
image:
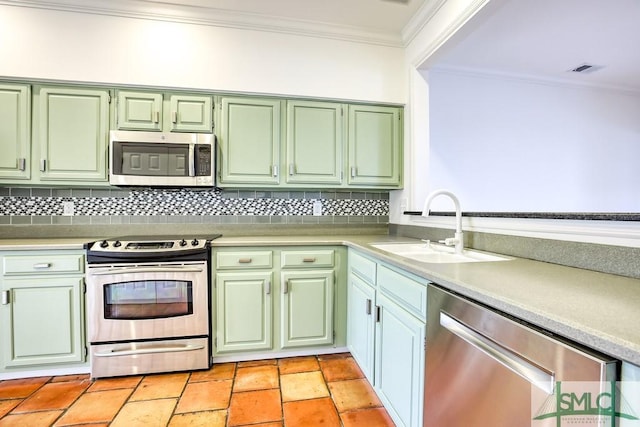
(151, 205)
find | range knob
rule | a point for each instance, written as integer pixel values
(104, 244)
(194, 242)
(117, 244)
(183, 242)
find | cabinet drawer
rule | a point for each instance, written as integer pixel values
(42, 264)
(363, 267)
(244, 259)
(319, 258)
(409, 293)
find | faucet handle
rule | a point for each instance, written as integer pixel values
(449, 241)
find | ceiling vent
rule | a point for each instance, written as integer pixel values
(586, 68)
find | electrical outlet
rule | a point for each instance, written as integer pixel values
(68, 208)
(317, 208)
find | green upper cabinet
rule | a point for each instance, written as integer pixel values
(71, 131)
(15, 122)
(375, 149)
(314, 143)
(139, 110)
(152, 111)
(249, 142)
(190, 113)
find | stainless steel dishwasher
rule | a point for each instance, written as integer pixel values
(482, 367)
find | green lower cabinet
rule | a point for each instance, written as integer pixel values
(307, 308)
(399, 362)
(361, 324)
(42, 321)
(386, 334)
(243, 311)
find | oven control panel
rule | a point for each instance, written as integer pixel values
(150, 245)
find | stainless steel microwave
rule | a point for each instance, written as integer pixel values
(166, 159)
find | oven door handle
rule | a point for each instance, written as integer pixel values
(149, 350)
(131, 270)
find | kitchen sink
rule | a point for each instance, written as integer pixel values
(437, 254)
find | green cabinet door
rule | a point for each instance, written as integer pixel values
(375, 146)
(399, 370)
(15, 138)
(139, 111)
(189, 113)
(72, 135)
(361, 324)
(249, 142)
(243, 311)
(306, 308)
(314, 143)
(42, 322)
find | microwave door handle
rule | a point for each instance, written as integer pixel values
(192, 163)
(131, 270)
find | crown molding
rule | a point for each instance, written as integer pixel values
(420, 19)
(530, 78)
(141, 9)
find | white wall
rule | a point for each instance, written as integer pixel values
(504, 144)
(47, 44)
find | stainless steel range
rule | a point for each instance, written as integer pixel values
(148, 305)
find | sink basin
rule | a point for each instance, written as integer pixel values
(437, 254)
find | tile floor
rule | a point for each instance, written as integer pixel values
(327, 391)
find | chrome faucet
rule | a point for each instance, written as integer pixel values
(458, 239)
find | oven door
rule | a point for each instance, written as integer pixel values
(147, 301)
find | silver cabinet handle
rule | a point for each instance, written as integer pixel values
(43, 165)
(285, 287)
(22, 164)
(292, 169)
(42, 266)
(368, 306)
(353, 171)
(156, 117)
(378, 314)
(542, 379)
(308, 259)
(274, 171)
(268, 286)
(5, 298)
(244, 261)
(174, 117)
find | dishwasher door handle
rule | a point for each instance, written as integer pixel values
(542, 379)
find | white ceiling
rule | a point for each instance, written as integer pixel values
(546, 38)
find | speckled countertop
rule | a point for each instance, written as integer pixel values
(599, 310)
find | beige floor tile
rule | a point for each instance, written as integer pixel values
(7, 405)
(31, 419)
(252, 407)
(314, 412)
(160, 386)
(353, 394)
(294, 365)
(114, 383)
(148, 413)
(375, 417)
(203, 396)
(53, 396)
(101, 406)
(220, 371)
(256, 378)
(200, 419)
(304, 385)
(21, 388)
(340, 369)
